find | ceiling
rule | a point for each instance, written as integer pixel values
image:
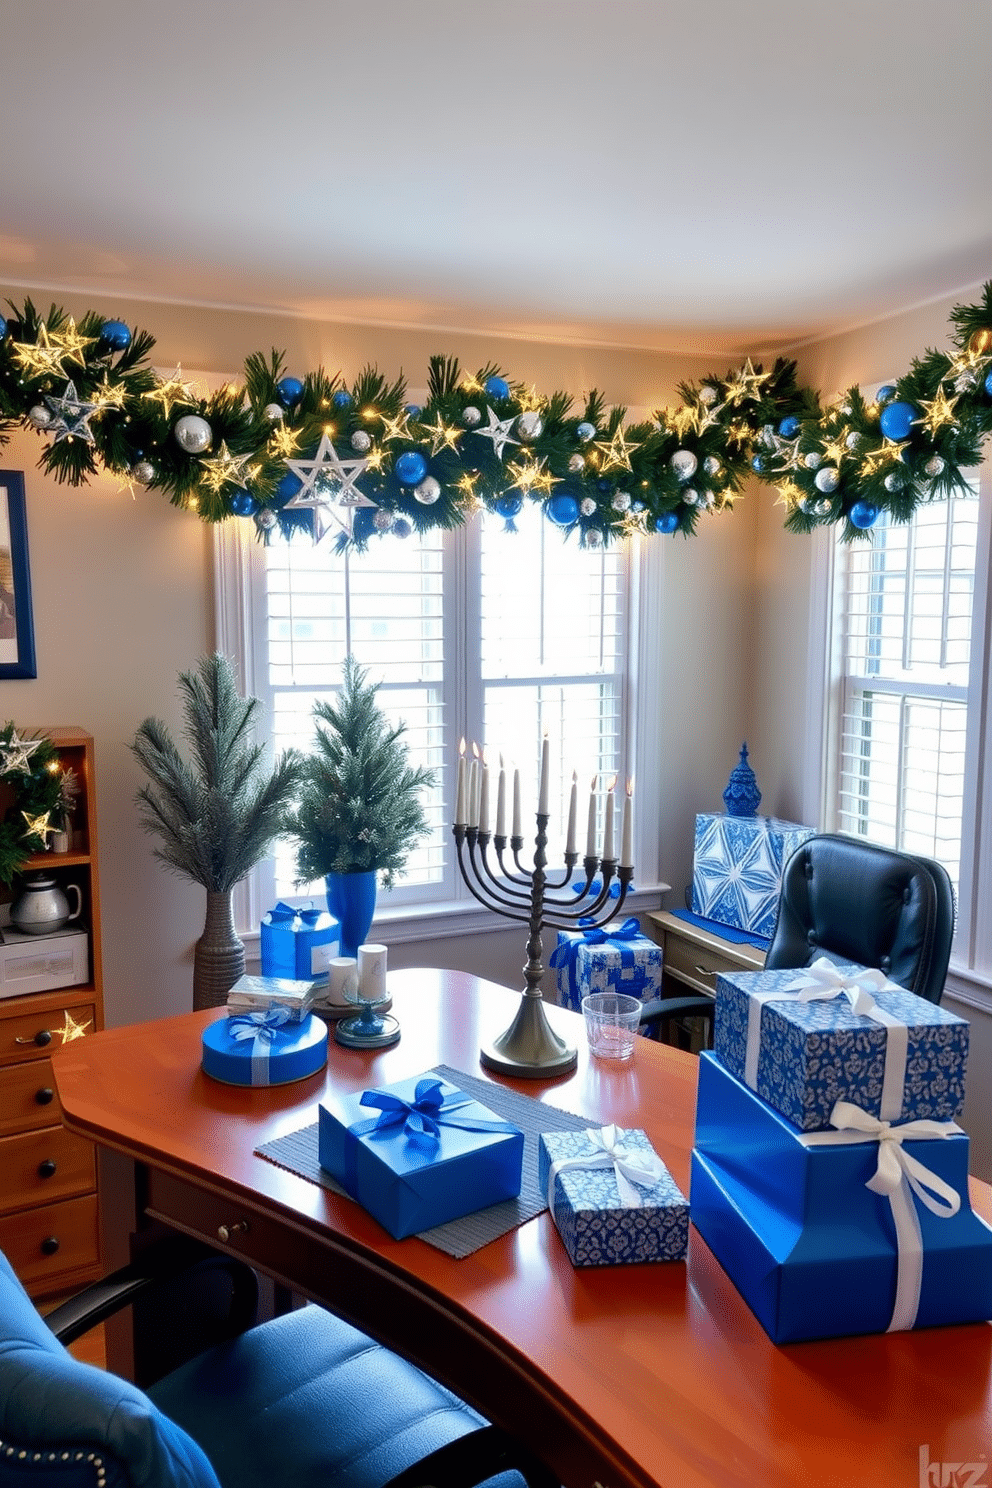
(714, 176)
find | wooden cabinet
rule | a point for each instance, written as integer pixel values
(692, 959)
(48, 1186)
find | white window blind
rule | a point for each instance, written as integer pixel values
(492, 635)
(907, 608)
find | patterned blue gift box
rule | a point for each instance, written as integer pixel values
(801, 1057)
(266, 1047)
(616, 958)
(419, 1153)
(298, 944)
(737, 867)
(600, 1225)
(824, 1233)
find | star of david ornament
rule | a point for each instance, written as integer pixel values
(328, 488)
(71, 416)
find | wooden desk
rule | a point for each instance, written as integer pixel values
(620, 1377)
(694, 958)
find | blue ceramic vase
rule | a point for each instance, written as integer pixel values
(351, 900)
(742, 796)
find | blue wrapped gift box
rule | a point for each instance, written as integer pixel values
(612, 1199)
(616, 958)
(811, 1249)
(802, 1056)
(419, 1153)
(298, 944)
(737, 864)
(265, 1047)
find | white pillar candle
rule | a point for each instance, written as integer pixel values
(342, 980)
(484, 797)
(627, 829)
(544, 785)
(517, 831)
(573, 802)
(460, 795)
(473, 784)
(371, 973)
(501, 802)
(591, 834)
(608, 827)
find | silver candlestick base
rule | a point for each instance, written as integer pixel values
(530, 1049)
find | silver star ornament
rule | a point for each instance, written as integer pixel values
(72, 416)
(499, 432)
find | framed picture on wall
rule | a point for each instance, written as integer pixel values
(16, 618)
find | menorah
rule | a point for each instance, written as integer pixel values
(530, 1048)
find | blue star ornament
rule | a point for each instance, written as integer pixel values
(499, 432)
(327, 487)
(72, 416)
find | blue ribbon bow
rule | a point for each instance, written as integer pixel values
(565, 955)
(422, 1118)
(258, 1025)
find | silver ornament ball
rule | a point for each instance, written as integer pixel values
(822, 508)
(587, 506)
(361, 442)
(382, 521)
(853, 440)
(428, 491)
(684, 463)
(576, 463)
(193, 434)
(40, 416)
(273, 412)
(894, 481)
(711, 465)
(827, 479)
(471, 417)
(265, 519)
(530, 426)
(708, 395)
(621, 501)
(586, 431)
(143, 471)
(934, 466)
(768, 436)
(594, 538)
(813, 460)
(690, 497)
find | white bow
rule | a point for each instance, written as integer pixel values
(632, 1166)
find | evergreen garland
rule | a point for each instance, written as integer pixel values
(301, 454)
(30, 769)
(359, 805)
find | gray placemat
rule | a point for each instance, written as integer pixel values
(297, 1151)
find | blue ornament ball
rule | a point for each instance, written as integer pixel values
(116, 335)
(757, 463)
(988, 380)
(410, 468)
(604, 483)
(413, 410)
(497, 387)
(885, 393)
(668, 521)
(290, 390)
(342, 399)
(402, 527)
(3, 327)
(563, 510)
(288, 486)
(863, 514)
(897, 419)
(789, 427)
(509, 506)
(243, 504)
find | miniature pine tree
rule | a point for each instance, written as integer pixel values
(359, 806)
(217, 816)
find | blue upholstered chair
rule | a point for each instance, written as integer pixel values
(301, 1401)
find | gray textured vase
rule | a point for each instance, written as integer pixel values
(219, 955)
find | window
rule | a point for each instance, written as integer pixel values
(910, 716)
(481, 632)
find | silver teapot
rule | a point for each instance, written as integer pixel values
(43, 907)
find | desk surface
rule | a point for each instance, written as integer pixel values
(620, 1377)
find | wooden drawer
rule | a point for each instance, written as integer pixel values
(24, 1035)
(45, 1245)
(698, 966)
(42, 1167)
(28, 1097)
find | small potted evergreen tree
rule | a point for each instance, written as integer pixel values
(217, 816)
(359, 809)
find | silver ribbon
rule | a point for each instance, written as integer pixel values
(261, 1027)
(634, 1167)
(898, 1176)
(822, 982)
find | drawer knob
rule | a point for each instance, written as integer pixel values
(45, 1095)
(42, 1038)
(224, 1232)
(49, 1245)
(46, 1169)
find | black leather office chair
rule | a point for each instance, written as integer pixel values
(853, 901)
(301, 1401)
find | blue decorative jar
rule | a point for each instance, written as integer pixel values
(742, 796)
